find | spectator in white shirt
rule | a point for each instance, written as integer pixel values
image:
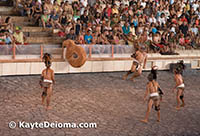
(195, 5)
(194, 29)
(84, 2)
(126, 2)
(152, 19)
(143, 3)
(162, 19)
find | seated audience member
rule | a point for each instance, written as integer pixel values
(126, 28)
(18, 36)
(104, 37)
(8, 25)
(28, 8)
(2, 37)
(184, 28)
(81, 38)
(156, 43)
(55, 20)
(8, 39)
(63, 19)
(188, 42)
(84, 18)
(71, 35)
(172, 41)
(116, 38)
(78, 27)
(88, 37)
(37, 11)
(45, 18)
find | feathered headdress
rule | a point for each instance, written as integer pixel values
(47, 59)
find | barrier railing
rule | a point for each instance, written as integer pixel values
(13, 53)
(19, 50)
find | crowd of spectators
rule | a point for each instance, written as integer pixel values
(160, 25)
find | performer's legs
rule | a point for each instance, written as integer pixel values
(148, 111)
(44, 94)
(179, 92)
(133, 68)
(157, 108)
(137, 73)
(49, 93)
(182, 99)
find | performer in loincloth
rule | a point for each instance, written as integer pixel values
(179, 87)
(139, 62)
(152, 89)
(47, 81)
(154, 70)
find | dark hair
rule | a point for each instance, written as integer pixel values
(154, 72)
(7, 19)
(150, 77)
(181, 64)
(47, 59)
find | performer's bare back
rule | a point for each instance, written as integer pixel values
(178, 79)
(48, 74)
(152, 87)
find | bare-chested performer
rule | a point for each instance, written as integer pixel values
(154, 70)
(179, 87)
(152, 89)
(47, 81)
(139, 62)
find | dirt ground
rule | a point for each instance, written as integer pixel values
(104, 98)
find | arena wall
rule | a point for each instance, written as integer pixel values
(96, 64)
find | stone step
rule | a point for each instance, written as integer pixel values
(25, 24)
(188, 51)
(35, 29)
(20, 21)
(16, 19)
(45, 40)
(38, 34)
(5, 10)
(9, 13)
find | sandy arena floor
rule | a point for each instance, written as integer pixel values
(114, 104)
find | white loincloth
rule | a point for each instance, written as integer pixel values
(181, 86)
(154, 94)
(138, 64)
(48, 81)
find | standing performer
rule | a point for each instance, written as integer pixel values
(152, 89)
(47, 81)
(139, 62)
(154, 70)
(179, 87)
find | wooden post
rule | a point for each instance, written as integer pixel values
(90, 51)
(41, 51)
(112, 51)
(14, 51)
